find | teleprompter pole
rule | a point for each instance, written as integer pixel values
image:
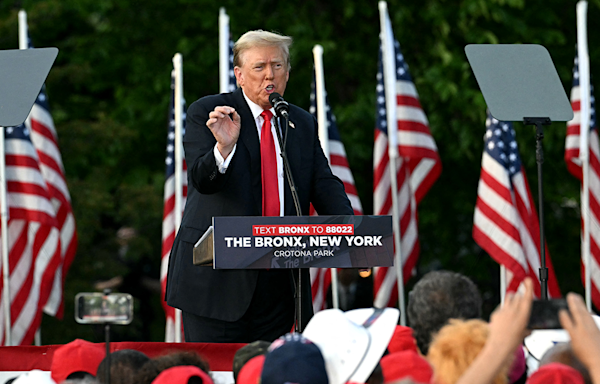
(539, 122)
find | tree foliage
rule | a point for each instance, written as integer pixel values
(109, 93)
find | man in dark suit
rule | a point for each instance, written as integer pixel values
(234, 169)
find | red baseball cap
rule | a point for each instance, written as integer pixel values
(402, 340)
(76, 356)
(181, 374)
(556, 373)
(251, 371)
(399, 365)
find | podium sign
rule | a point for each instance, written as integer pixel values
(303, 242)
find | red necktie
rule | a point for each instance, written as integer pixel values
(268, 168)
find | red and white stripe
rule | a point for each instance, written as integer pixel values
(45, 141)
(506, 226)
(418, 167)
(340, 168)
(320, 278)
(33, 240)
(168, 236)
(170, 218)
(338, 162)
(572, 144)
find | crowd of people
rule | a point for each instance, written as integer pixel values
(447, 343)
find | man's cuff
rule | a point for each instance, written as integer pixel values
(221, 163)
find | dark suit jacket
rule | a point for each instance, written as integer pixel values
(226, 294)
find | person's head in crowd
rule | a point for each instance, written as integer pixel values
(438, 297)
(406, 364)
(402, 340)
(183, 374)
(555, 373)
(124, 365)
(250, 372)
(352, 342)
(455, 347)
(32, 377)
(153, 367)
(86, 379)
(247, 352)
(294, 359)
(563, 353)
(376, 376)
(76, 360)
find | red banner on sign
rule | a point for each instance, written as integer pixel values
(303, 230)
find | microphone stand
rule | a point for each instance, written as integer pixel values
(290, 180)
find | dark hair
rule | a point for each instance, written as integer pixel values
(247, 352)
(195, 380)
(80, 375)
(438, 297)
(124, 365)
(153, 367)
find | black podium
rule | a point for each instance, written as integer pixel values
(296, 242)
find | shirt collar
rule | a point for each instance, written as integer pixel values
(255, 108)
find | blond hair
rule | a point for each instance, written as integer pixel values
(455, 347)
(260, 38)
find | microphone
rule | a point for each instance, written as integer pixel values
(281, 106)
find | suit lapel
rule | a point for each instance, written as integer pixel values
(249, 139)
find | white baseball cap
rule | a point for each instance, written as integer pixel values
(34, 377)
(352, 342)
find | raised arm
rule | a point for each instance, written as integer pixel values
(507, 329)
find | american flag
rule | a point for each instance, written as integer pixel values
(227, 67)
(418, 167)
(34, 245)
(574, 165)
(169, 226)
(506, 223)
(45, 140)
(321, 277)
(232, 82)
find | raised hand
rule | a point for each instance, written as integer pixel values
(508, 323)
(224, 123)
(508, 326)
(585, 335)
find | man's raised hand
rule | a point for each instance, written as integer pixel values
(224, 123)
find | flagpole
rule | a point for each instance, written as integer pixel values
(584, 130)
(389, 80)
(324, 138)
(223, 51)
(4, 228)
(4, 206)
(178, 109)
(23, 44)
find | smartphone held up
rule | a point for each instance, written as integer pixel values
(544, 314)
